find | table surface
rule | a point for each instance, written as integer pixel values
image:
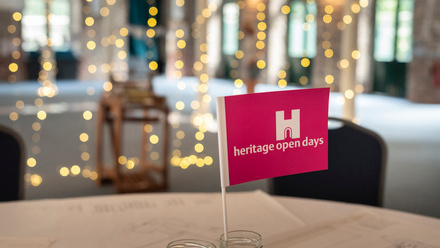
(155, 219)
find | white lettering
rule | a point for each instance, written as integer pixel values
(271, 147)
(305, 141)
(266, 148)
(236, 151)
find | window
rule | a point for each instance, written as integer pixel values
(302, 38)
(34, 25)
(392, 45)
(231, 15)
(393, 38)
(144, 14)
(230, 42)
(302, 29)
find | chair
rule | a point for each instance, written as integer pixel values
(12, 153)
(356, 169)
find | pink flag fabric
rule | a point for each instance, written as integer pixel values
(265, 135)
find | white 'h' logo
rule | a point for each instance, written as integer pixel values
(287, 128)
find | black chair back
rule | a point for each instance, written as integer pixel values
(356, 169)
(11, 165)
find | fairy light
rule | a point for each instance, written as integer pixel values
(282, 83)
(48, 71)
(282, 74)
(261, 35)
(303, 80)
(31, 162)
(233, 8)
(200, 118)
(327, 18)
(179, 64)
(34, 179)
(359, 88)
(347, 19)
(180, 105)
(305, 62)
(199, 147)
(363, 3)
(93, 43)
(349, 55)
(355, 54)
(326, 43)
(328, 53)
(130, 164)
(75, 170)
(355, 8)
(153, 11)
(48, 88)
(16, 42)
(329, 79)
(349, 94)
(285, 9)
(84, 138)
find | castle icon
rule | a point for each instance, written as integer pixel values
(287, 128)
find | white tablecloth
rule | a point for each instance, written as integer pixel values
(153, 220)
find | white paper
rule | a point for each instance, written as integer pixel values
(143, 220)
(364, 230)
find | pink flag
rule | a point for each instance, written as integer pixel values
(272, 134)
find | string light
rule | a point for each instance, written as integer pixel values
(363, 3)
(282, 83)
(285, 9)
(347, 62)
(261, 35)
(153, 11)
(179, 64)
(13, 116)
(115, 38)
(92, 44)
(349, 94)
(355, 8)
(327, 18)
(48, 71)
(328, 53)
(329, 79)
(16, 42)
(305, 62)
(303, 80)
(355, 54)
(359, 88)
(282, 74)
(326, 43)
(199, 119)
(35, 180)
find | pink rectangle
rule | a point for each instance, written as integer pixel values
(272, 134)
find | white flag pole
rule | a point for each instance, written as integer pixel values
(225, 217)
(223, 156)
